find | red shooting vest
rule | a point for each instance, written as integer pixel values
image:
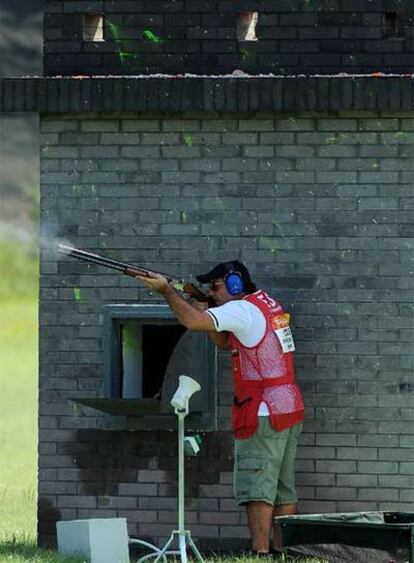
(264, 373)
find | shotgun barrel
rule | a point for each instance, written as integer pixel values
(131, 270)
(128, 269)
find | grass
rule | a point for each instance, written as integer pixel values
(28, 552)
(19, 271)
(18, 400)
(18, 413)
(18, 418)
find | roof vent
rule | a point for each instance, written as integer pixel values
(246, 26)
(93, 27)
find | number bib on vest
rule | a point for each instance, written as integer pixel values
(281, 328)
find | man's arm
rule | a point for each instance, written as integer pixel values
(195, 319)
(186, 314)
(221, 339)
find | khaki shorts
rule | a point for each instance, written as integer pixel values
(264, 465)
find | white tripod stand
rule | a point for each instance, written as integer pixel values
(186, 389)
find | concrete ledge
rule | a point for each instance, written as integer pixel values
(196, 93)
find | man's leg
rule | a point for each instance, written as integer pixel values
(286, 498)
(280, 510)
(260, 515)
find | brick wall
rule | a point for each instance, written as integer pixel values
(199, 36)
(319, 206)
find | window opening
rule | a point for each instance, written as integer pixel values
(143, 354)
(393, 24)
(246, 26)
(93, 27)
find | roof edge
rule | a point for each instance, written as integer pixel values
(241, 94)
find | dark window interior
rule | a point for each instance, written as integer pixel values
(93, 27)
(393, 24)
(141, 357)
(158, 343)
(246, 26)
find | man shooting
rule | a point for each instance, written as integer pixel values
(268, 406)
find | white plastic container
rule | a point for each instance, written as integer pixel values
(99, 540)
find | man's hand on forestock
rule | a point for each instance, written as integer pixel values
(155, 282)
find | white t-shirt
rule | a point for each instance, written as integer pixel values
(246, 322)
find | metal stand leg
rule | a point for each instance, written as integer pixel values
(183, 536)
(194, 548)
(183, 548)
(185, 541)
(164, 551)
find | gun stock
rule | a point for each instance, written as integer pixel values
(196, 293)
(136, 271)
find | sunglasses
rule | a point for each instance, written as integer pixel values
(214, 286)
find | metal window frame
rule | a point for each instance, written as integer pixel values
(154, 314)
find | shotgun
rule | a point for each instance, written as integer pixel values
(131, 270)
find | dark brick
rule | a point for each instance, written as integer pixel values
(275, 21)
